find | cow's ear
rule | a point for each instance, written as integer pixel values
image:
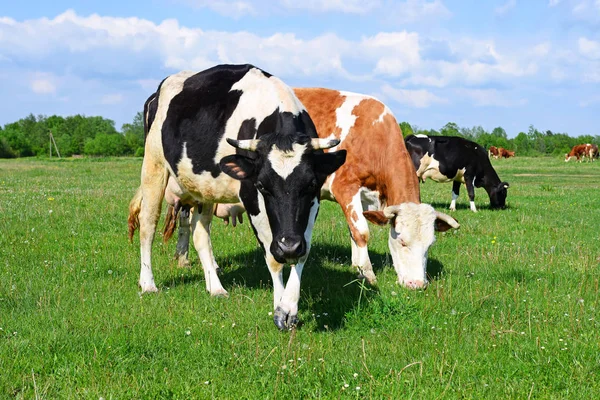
(328, 163)
(376, 217)
(443, 222)
(236, 166)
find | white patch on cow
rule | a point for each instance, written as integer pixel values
(409, 241)
(453, 202)
(261, 97)
(284, 162)
(420, 135)
(204, 187)
(343, 115)
(473, 208)
(326, 192)
(386, 111)
(430, 168)
(260, 223)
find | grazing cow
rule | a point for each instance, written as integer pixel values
(376, 183)
(277, 171)
(493, 152)
(503, 153)
(452, 158)
(578, 151)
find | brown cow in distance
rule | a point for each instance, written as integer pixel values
(503, 153)
(578, 151)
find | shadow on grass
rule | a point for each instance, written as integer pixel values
(330, 286)
(444, 206)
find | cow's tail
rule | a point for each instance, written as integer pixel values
(171, 221)
(135, 206)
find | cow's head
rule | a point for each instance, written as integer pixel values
(411, 234)
(498, 195)
(284, 179)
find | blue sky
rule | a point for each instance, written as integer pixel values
(508, 63)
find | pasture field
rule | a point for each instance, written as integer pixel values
(512, 310)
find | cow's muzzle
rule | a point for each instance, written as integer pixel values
(288, 248)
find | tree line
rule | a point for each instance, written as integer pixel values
(78, 134)
(97, 136)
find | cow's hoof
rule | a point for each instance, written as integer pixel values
(368, 275)
(219, 293)
(148, 287)
(284, 321)
(183, 262)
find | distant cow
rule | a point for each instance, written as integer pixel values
(198, 121)
(493, 152)
(578, 151)
(591, 151)
(503, 153)
(452, 158)
(376, 183)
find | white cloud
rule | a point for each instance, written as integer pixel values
(345, 6)
(43, 84)
(413, 98)
(553, 3)
(505, 8)
(492, 97)
(113, 98)
(417, 10)
(589, 48)
(231, 8)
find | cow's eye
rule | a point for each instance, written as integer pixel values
(261, 187)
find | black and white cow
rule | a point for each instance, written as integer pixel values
(277, 171)
(452, 158)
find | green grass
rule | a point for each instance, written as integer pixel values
(512, 310)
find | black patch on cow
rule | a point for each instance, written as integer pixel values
(198, 114)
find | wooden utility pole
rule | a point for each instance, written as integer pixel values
(52, 141)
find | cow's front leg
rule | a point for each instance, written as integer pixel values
(470, 184)
(183, 237)
(286, 312)
(455, 193)
(201, 219)
(350, 201)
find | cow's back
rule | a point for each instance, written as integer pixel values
(367, 129)
(196, 112)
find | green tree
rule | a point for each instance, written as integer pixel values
(450, 129)
(106, 145)
(406, 129)
(134, 134)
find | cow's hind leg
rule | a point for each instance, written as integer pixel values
(455, 193)
(183, 237)
(470, 184)
(201, 219)
(154, 180)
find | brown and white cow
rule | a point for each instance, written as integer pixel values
(493, 152)
(578, 151)
(376, 183)
(591, 151)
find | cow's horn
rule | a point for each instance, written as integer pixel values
(247, 144)
(391, 211)
(447, 219)
(324, 143)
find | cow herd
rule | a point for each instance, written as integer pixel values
(234, 139)
(583, 151)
